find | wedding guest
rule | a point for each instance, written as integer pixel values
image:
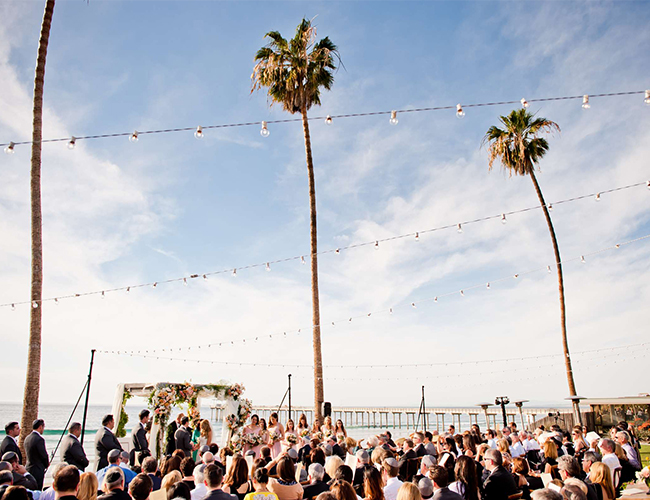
(88, 487)
(213, 479)
(469, 446)
(491, 439)
(316, 484)
(105, 441)
(113, 485)
(390, 471)
(363, 463)
(285, 486)
(466, 484)
(372, 484)
(504, 448)
(187, 469)
(179, 491)
(19, 473)
(623, 438)
(37, 458)
(169, 465)
(10, 442)
(609, 457)
(260, 483)
(588, 460)
(332, 464)
(16, 493)
(236, 481)
(150, 467)
(440, 480)
(71, 450)
(183, 438)
(550, 456)
(169, 480)
(601, 477)
(336, 448)
(114, 460)
(524, 481)
(343, 490)
(516, 448)
(140, 487)
(499, 483)
(50, 493)
(339, 430)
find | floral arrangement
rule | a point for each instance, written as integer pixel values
(304, 433)
(235, 391)
(194, 413)
(291, 438)
(237, 443)
(644, 475)
(341, 438)
(253, 440)
(317, 435)
(274, 436)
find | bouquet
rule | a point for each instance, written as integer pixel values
(236, 390)
(317, 435)
(236, 443)
(644, 475)
(274, 436)
(291, 438)
(304, 433)
(253, 440)
(232, 421)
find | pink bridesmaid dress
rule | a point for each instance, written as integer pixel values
(276, 446)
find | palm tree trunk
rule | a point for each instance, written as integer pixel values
(33, 376)
(318, 356)
(560, 280)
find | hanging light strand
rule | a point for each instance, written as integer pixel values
(374, 243)
(133, 136)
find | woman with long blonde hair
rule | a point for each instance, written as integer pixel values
(601, 476)
(408, 491)
(88, 486)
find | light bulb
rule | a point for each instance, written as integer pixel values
(35, 304)
(56, 302)
(376, 245)
(597, 198)
(459, 227)
(328, 120)
(548, 269)
(302, 259)
(648, 185)
(459, 111)
(199, 132)
(582, 259)
(488, 285)
(390, 310)
(524, 102)
(413, 305)
(550, 207)
(205, 277)
(128, 289)
(503, 219)
(647, 97)
(337, 251)
(268, 267)
(103, 295)
(72, 143)
(393, 118)
(10, 148)
(585, 102)
(462, 293)
(618, 245)
(417, 236)
(435, 299)
(155, 284)
(13, 307)
(516, 276)
(265, 131)
(134, 136)
(185, 281)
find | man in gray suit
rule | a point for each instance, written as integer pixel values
(440, 479)
(183, 438)
(140, 445)
(37, 459)
(105, 441)
(71, 450)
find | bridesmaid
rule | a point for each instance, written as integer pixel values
(327, 429)
(302, 424)
(264, 437)
(315, 428)
(275, 428)
(340, 431)
(254, 429)
(290, 430)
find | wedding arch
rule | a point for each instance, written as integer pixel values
(162, 397)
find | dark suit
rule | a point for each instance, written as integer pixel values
(446, 494)
(337, 450)
(73, 453)
(219, 495)
(183, 441)
(171, 440)
(314, 489)
(27, 480)
(419, 450)
(115, 495)
(304, 452)
(105, 441)
(156, 481)
(499, 485)
(37, 459)
(140, 449)
(8, 444)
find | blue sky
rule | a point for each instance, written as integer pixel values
(118, 213)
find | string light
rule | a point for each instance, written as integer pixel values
(462, 293)
(349, 247)
(459, 111)
(72, 143)
(328, 120)
(550, 207)
(417, 236)
(337, 251)
(199, 132)
(128, 289)
(134, 136)
(524, 103)
(103, 295)
(459, 227)
(205, 278)
(597, 197)
(488, 285)
(185, 281)
(548, 269)
(503, 219)
(376, 245)
(10, 148)
(413, 305)
(393, 118)
(268, 267)
(582, 259)
(265, 130)
(302, 259)
(13, 307)
(35, 304)
(56, 302)
(155, 284)
(585, 102)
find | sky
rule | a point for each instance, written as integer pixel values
(117, 213)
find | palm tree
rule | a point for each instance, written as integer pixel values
(33, 377)
(294, 72)
(519, 148)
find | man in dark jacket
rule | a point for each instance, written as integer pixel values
(149, 467)
(105, 441)
(213, 479)
(9, 443)
(499, 484)
(20, 475)
(139, 443)
(114, 484)
(72, 452)
(171, 432)
(66, 483)
(37, 459)
(316, 484)
(440, 479)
